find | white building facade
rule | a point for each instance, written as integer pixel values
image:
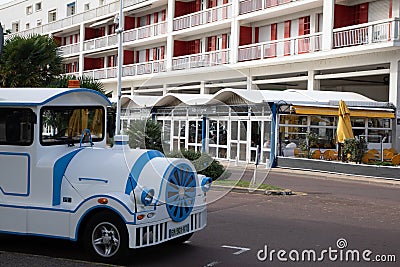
(203, 46)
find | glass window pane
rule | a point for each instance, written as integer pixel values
(323, 120)
(378, 123)
(234, 130)
(357, 122)
(16, 126)
(293, 119)
(243, 130)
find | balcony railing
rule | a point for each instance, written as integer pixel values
(284, 47)
(128, 70)
(78, 18)
(69, 49)
(145, 31)
(100, 42)
(203, 17)
(144, 68)
(367, 33)
(248, 6)
(208, 59)
(105, 73)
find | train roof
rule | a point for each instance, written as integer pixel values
(57, 96)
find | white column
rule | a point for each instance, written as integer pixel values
(81, 46)
(328, 23)
(170, 29)
(203, 90)
(394, 85)
(235, 30)
(395, 8)
(312, 83)
(165, 87)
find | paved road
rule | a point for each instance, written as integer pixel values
(366, 215)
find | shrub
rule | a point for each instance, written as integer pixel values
(203, 163)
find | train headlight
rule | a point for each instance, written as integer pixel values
(206, 184)
(147, 196)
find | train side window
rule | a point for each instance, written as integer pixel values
(16, 126)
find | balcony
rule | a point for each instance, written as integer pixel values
(128, 70)
(78, 18)
(367, 33)
(203, 17)
(248, 6)
(284, 47)
(101, 42)
(145, 32)
(144, 68)
(69, 49)
(208, 59)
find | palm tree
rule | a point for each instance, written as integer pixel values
(32, 61)
(85, 82)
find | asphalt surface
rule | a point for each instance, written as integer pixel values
(363, 214)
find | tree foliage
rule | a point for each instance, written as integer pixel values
(145, 134)
(85, 82)
(31, 61)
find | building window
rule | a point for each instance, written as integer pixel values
(15, 27)
(29, 10)
(27, 26)
(38, 6)
(39, 22)
(71, 9)
(102, 2)
(52, 15)
(87, 7)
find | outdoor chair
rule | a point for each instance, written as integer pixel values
(388, 156)
(316, 154)
(329, 155)
(396, 160)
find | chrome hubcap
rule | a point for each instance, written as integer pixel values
(106, 239)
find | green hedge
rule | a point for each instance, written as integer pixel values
(203, 163)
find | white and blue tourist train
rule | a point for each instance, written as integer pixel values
(59, 179)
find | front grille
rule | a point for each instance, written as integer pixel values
(158, 233)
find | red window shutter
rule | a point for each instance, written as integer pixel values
(137, 57)
(147, 55)
(155, 17)
(164, 15)
(274, 32)
(148, 18)
(138, 23)
(155, 53)
(256, 34)
(301, 26)
(162, 52)
(286, 34)
(224, 41)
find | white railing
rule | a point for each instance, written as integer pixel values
(100, 42)
(248, 6)
(69, 49)
(284, 47)
(144, 68)
(78, 18)
(203, 17)
(367, 33)
(105, 73)
(76, 74)
(128, 70)
(208, 59)
(145, 31)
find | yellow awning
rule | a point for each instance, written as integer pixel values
(334, 112)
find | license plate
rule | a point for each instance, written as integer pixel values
(179, 230)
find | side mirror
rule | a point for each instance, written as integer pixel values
(111, 117)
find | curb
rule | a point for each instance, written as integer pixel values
(236, 189)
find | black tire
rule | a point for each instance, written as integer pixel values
(106, 238)
(181, 239)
